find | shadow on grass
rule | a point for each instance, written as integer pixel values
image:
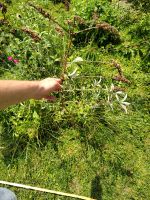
(96, 188)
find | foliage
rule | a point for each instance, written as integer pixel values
(143, 4)
(94, 139)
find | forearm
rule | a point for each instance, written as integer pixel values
(13, 92)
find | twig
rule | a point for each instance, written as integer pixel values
(121, 79)
(88, 77)
(32, 34)
(87, 29)
(47, 15)
(101, 26)
(83, 89)
(118, 67)
(45, 190)
(90, 61)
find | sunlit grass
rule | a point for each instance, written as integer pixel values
(77, 144)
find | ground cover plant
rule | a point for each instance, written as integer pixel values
(94, 140)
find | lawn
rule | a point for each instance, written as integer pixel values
(94, 140)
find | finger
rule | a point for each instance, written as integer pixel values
(57, 87)
(50, 98)
(58, 80)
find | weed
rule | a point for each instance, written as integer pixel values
(94, 139)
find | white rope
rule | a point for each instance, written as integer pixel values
(45, 190)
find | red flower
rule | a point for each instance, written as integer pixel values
(10, 58)
(16, 61)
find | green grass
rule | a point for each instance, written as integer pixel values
(78, 144)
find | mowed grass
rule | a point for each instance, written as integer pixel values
(70, 146)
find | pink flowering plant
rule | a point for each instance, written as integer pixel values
(8, 61)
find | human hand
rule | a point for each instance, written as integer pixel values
(47, 86)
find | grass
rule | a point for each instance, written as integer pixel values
(69, 145)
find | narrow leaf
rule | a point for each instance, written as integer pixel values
(124, 108)
(73, 74)
(78, 59)
(125, 97)
(112, 87)
(126, 103)
(117, 97)
(119, 92)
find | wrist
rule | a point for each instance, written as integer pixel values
(35, 85)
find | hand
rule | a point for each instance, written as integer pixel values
(47, 86)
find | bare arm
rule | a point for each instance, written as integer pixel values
(13, 92)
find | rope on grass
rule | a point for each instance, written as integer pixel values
(45, 190)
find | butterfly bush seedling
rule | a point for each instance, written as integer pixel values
(121, 97)
(97, 83)
(75, 73)
(114, 96)
(118, 96)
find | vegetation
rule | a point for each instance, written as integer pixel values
(141, 4)
(94, 140)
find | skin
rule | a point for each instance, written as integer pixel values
(13, 91)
